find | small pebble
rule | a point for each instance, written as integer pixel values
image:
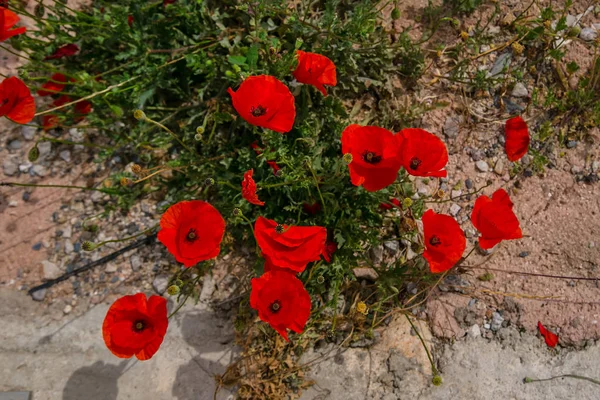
(523, 254)
(469, 183)
(67, 309)
(454, 209)
(26, 196)
(571, 144)
(37, 246)
(114, 279)
(482, 166)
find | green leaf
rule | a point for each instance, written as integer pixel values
(237, 60)
(252, 56)
(145, 96)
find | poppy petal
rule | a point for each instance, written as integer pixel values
(550, 337)
(495, 219)
(517, 138)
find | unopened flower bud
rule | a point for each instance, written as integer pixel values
(436, 380)
(34, 154)
(229, 74)
(279, 173)
(139, 114)
(237, 69)
(209, 182)
(200, 130)
(87, 246)
(237, 212)
(395, 14)
(347, 158)
(39, 10)
(197, 137)
(320, 279)
(179, 282)
(173, 290)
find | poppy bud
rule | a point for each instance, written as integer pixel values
(39, 10)
(436, 380)
(209, 182)
(200, 130)
(139, 115)
(34, 154)
(229, 74)
(237, 69)
(197, 137)
(125, 182)
(179, 282)
(347, 158)
(279, 173)
(279, 228)
(361, 307)
(395, 14)
(173, 290)
(208, 63)
(87, 246)
(237, 212)
(320, 279)
(136, 169)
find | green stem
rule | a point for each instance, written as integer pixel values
(173, 135)
(11, 184)
(98, 245)
(433, 368)
(462, 195)
(317, 185)
(531, 380)
(228, 184)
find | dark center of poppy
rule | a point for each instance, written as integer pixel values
(191, 236)
(276, 306)
(414, 163)
(279, 228)
(138, 326)
(258, 111)
(435, 241)
(4, 102)
(371, 157)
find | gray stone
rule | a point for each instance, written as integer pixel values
(526, 160)
(39, 295)
(477, 154)
(15, 144)
(571, 144)
(15, 395)
(523, 254)
(502, 62)
(67, 310)
(469, 183)
(482, 166)
(28, 132)
(65, 155)
(392, 245)
(365, 273)
(454, 209)
(499, 167)
(13, 203)
(451, 127)
(10, 167)
(519, 90)
(45, 148)
(497, 321)
(136, 262)
(51, 270)
(474, 331)
(160, 283)
(69, 248)
(40, 170)
(588, 34)
(25, 167)
(67, 232)
(110, 268)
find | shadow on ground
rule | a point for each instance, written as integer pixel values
(95, 382)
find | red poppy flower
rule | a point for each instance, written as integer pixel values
(130, 20)
(56, 84)
(423, 153)
(254, 145)
(517, 138)
(387, 206)
(328, 250)
(495, 219)
(67, 50)
(16, 101)
(311, 209)
(192, 231)
(266, 102)
(281, 300)
(62, 100)
(375, 156)
(289, 247)
(136, 326)
(50, 121)
(315, 69)
(249, 189)
(550, 337)
(82, 109)
(165, 2)
(8, 20)
(444, 241)
(274, 166)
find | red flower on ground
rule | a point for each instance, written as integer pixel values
(550, 337)
(517, 138)
(386, 206)
(328, 250)
(290, 247)
(266, 102)
(130, 20)
(136, 326)
(495, 219)
(249, 189)
(315, 69)
(192, 231)
(65, 51)
(422, 153)
(375, 156)
(56, 84)
(8, 20)
(311, 209)
(16, 101)
(445, 242)
(281, 300)
(274, 166)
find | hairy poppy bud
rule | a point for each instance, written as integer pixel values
(139, 114)
(237, 212)
(179, 282)
(395, 14)
(436, 380)
(173, 290)
(279, 173)
(347, 158)
(87, 246)
(237, 69)
(34, 154)
(209, 181)
(229, 74)
(320, 279)
(361, 307)
(136, 169)
(39, 10)
(200, 130)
